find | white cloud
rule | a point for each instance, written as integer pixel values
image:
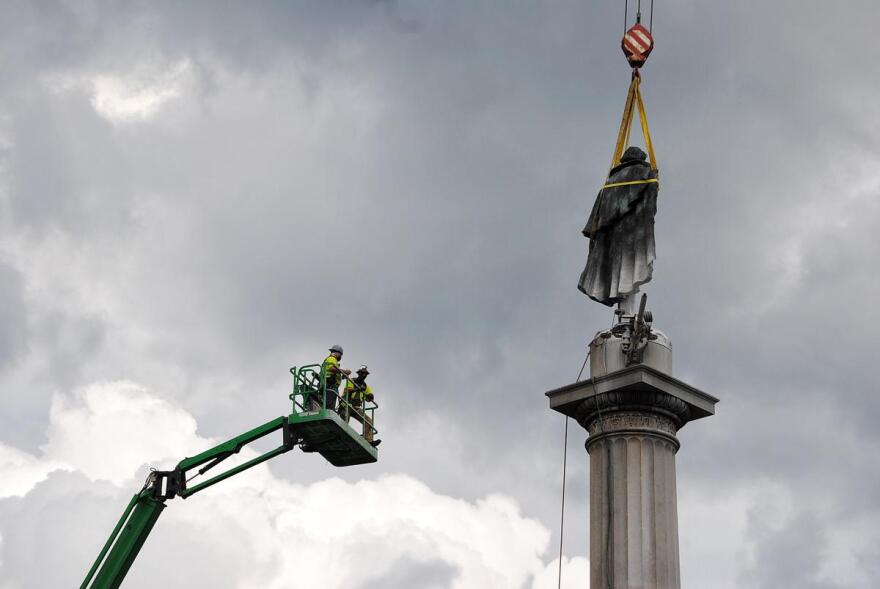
(575, 574)
(133, 96)
(139, 95)
(21, 471)
(259, 530)
(107, 430)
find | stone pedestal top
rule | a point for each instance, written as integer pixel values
(637, 387)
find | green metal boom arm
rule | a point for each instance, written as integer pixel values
(139, 517)
(221, 452)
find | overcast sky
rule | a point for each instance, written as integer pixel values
(196, 196)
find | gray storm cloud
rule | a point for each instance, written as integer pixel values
(180, 187)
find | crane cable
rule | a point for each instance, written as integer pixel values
(638, 14)
(633, 102)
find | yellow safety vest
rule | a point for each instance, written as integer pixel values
(332, 378)
(355, 395)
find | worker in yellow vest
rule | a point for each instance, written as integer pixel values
(357, 391)
(332, 374)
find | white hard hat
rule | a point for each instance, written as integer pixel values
(336, 349)
(363, 369)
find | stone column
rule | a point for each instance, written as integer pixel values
(633, 513)
(632, 416)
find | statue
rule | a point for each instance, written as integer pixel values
(621, 232)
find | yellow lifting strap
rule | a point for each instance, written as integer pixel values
(616, 184)
(633, 100)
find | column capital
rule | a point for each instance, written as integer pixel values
(632, 402)
(637, 388)
(629, 424)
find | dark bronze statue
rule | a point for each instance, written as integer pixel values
(621, 231)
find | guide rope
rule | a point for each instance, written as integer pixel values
(562, 515)
(564, 464)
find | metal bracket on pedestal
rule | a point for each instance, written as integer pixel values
(635, 331)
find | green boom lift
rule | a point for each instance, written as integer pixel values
(310, 425)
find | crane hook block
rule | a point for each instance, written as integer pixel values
(637, 44)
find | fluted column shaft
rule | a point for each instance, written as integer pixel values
(633, 506)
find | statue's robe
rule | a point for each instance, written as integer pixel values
(621, 233)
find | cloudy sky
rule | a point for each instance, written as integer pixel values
(195, 197)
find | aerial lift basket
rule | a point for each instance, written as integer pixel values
(323, 429)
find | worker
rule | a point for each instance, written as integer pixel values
(357, 391)
(332, 373)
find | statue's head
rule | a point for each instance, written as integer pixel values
(633, 153)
